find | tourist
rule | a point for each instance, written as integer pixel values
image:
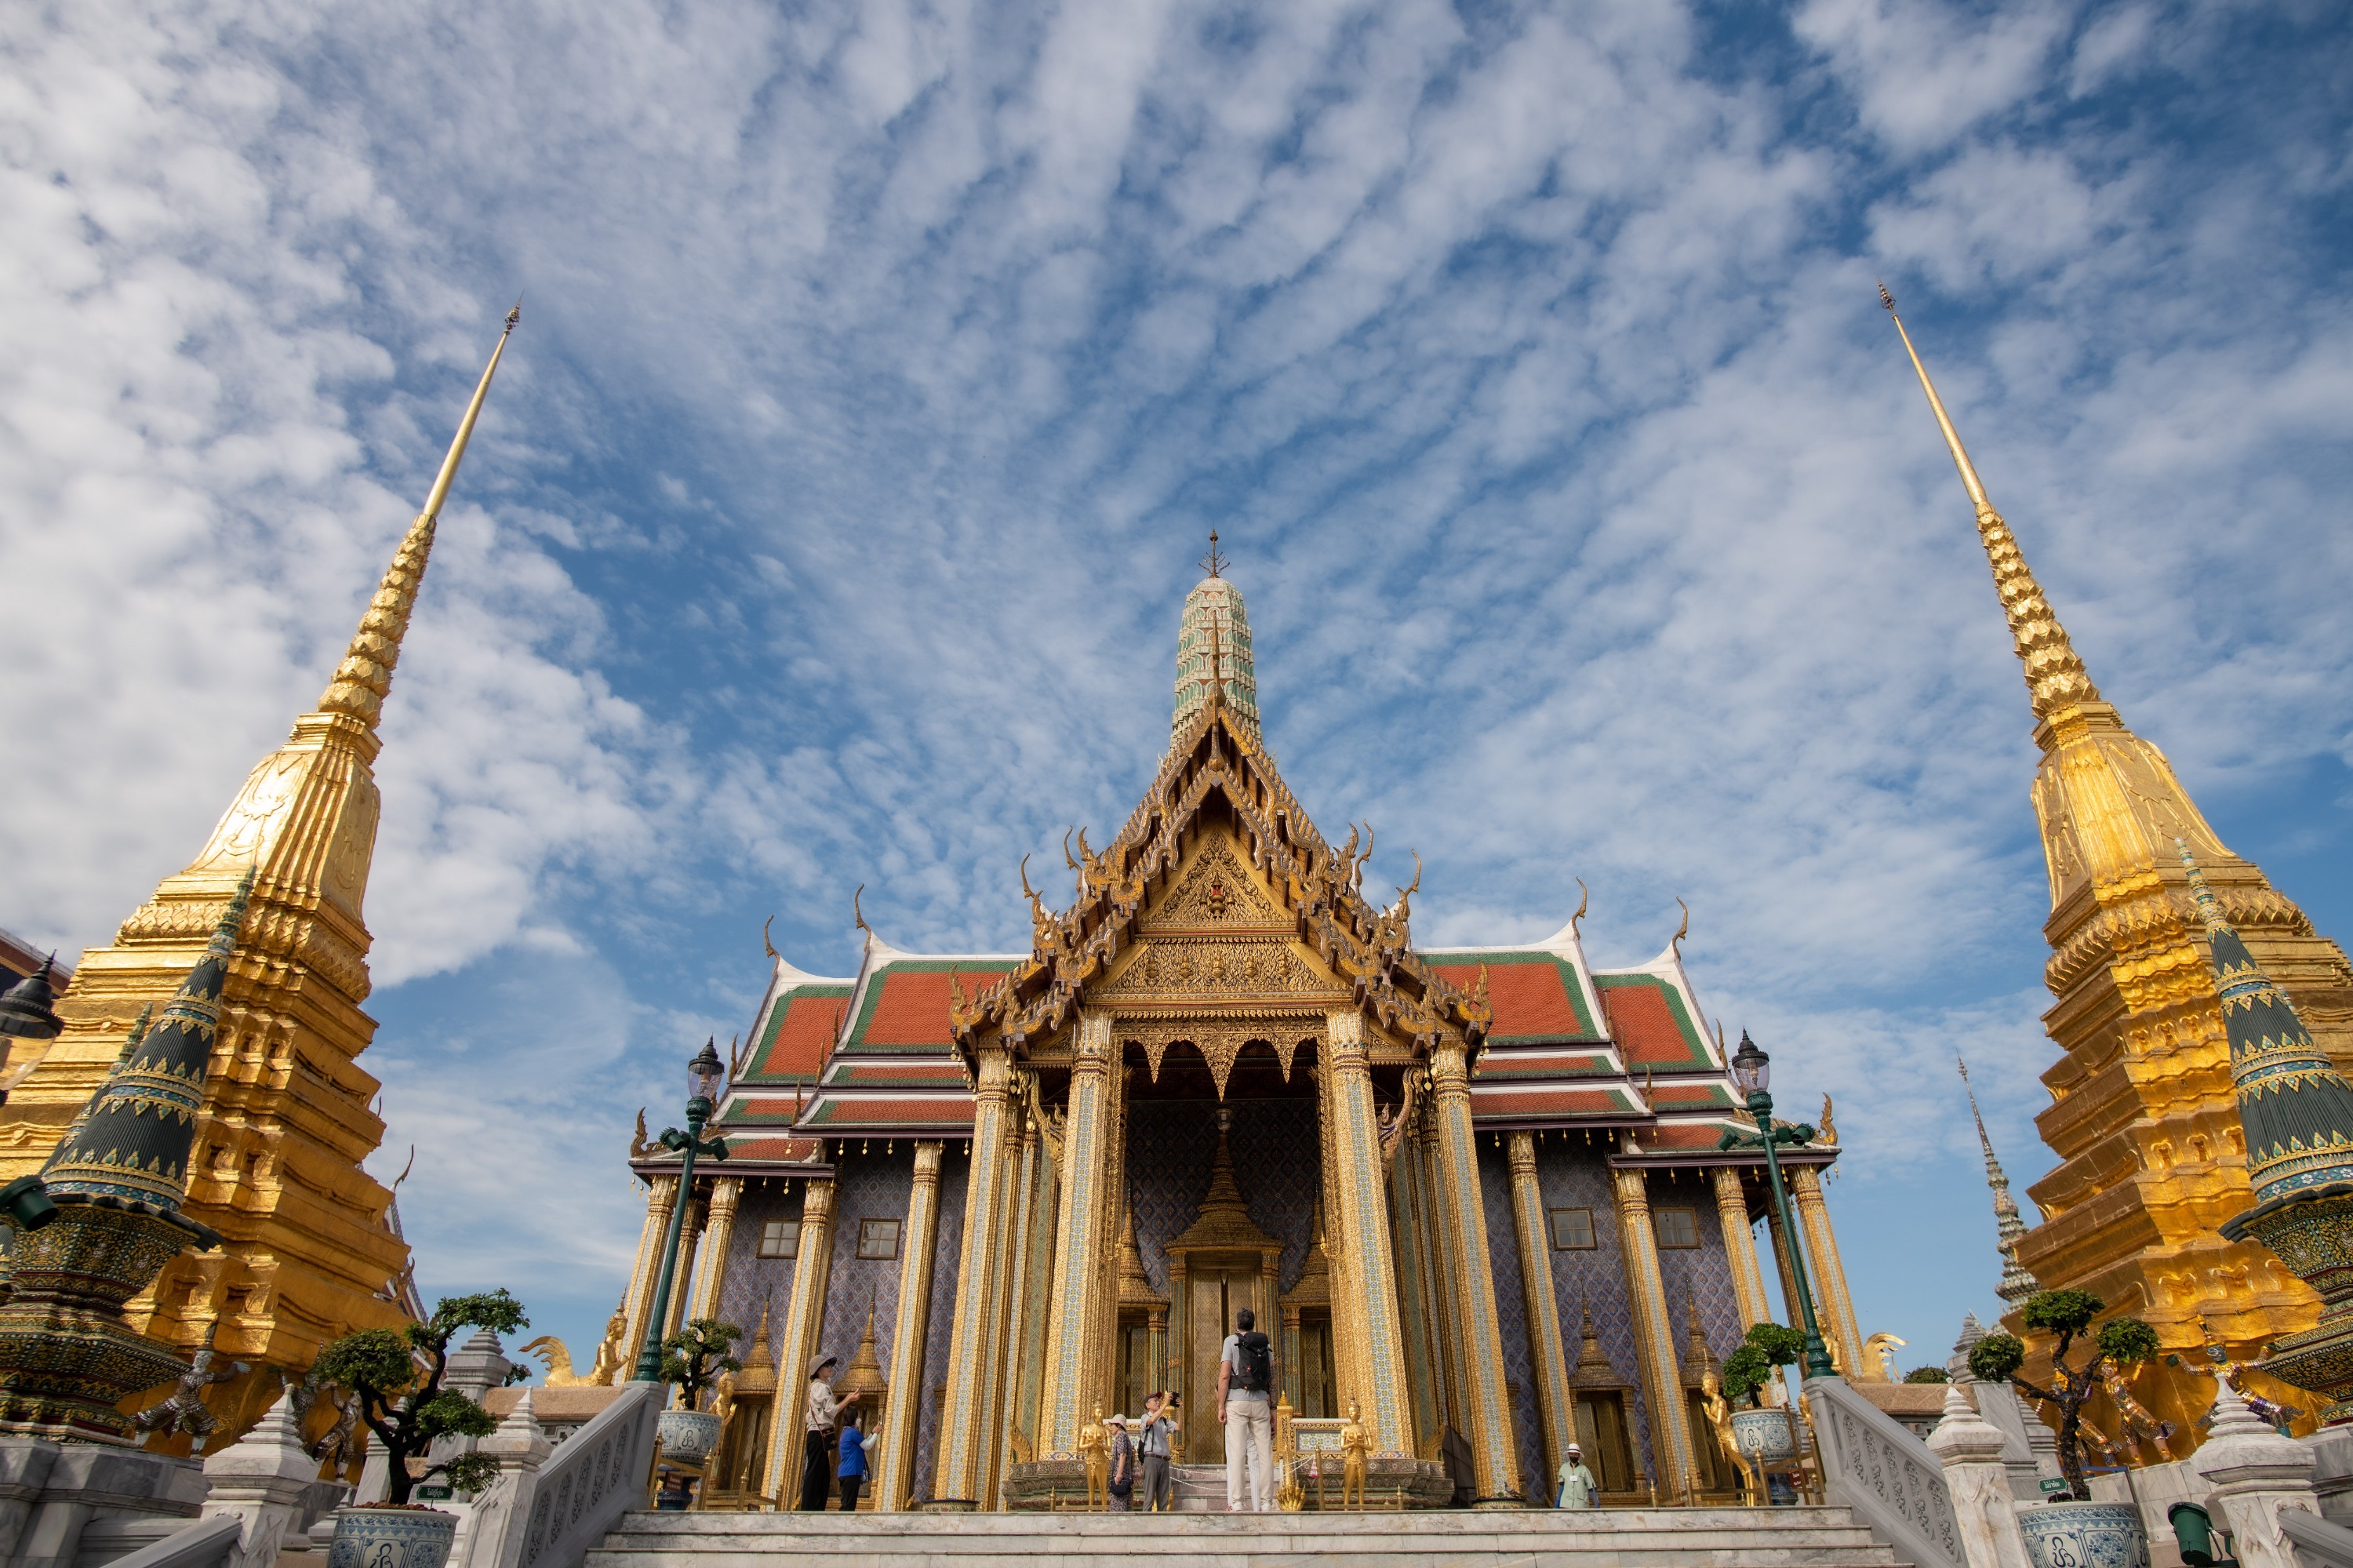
(1159, 1424)
(1246, 1375)
(1578, 1487)
(1122, 1464)
(851, 1472)
(823, 1410)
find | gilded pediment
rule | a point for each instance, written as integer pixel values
(1176, 969)
(1216, 890)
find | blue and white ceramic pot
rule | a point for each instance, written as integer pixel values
(2073, 1535)
(1764, 1436)
(688, 1436)
(392, 1538)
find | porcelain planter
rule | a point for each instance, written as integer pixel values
(1764, 1436)
(688, 1436)
(392, 1538)
(2076, 1535)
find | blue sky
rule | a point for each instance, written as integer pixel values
(884, 368)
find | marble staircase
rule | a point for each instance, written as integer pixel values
(1606, 1538)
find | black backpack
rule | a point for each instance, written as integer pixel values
(1257, 1363)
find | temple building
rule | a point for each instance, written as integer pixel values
(2152, 1158)
(1478, 1191)
(309, 1243)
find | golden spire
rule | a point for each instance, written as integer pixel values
(366, 674)
(2055, 677)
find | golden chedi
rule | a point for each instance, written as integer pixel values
(2152, 1161)
(274, 1164)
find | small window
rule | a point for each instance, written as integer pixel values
(1572, 1230)
(1677, 1227)
(780, 1238)
(877, 1238)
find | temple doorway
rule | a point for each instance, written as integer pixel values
(1215, 1288)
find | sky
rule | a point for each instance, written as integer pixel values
(884, 368)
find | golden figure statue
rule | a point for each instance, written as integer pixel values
(1355, 1443)
(722, 1400)
(1719, 1420)
(1094, 1451)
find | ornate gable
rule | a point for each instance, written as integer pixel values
(1218, 845)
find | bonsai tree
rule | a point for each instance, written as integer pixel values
(1927, 1374)
(396, 1376)
(1750, 1367)
(693, 1358)
(2068, 1314)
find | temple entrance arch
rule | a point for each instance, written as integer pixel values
(1222, 1263)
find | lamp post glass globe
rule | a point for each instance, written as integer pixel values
(1751, 1068)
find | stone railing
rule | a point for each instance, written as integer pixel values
(204, 1544)
(1873, 1463)
(550, 1505)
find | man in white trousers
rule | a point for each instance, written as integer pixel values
(1246, 1377)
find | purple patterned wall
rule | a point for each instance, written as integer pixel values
(871, 1186)
(1701, 1279)
(1572, 1174)
(751, 1278)
(1511, 1314)
(1277, 1164)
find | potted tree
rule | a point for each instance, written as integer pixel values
(693, 1359)
(1766, 1436)
(2073, 1529)
(394, 1377)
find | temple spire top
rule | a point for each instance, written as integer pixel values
(1213, 652)
(2017, 1284)
(2055, 676)
(364, 676)
(1214, 564)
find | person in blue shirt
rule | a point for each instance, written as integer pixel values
(853, 1461)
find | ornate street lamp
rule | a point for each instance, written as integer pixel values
(1753, 1071)
(706, 1070)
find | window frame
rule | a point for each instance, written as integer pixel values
(774, 1247)
(1660, 1230)
(1592, 1241)
(870, 1228)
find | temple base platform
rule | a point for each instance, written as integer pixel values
(1454, 1538)
(1060, 1486)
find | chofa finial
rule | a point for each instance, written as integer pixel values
(1213, 563)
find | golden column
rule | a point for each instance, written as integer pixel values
(689, 1239)
(1497, 1458)
(1038, 1279)
(1412, 1240)
(894, 1476)
(1082, 1249)
(960, 1473)
(1654, 1338)
(645, 1275)
(803, 1324)
(1366, 1308)
(1783, 1266)
(1740, 1247)
(1555, 1403)
(718, 1236)
(1830, 1275)
(1012, 1287)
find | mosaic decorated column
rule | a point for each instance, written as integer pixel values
(1037, 1277)
(718, 1233)
(1740, 1247)
(1654, 1339)
(1001, 1374)
(960, 1471)
(804, 1328)
(1830, 1275)
(1348, 1368)
(1488, 1406)
(894, 1476)
(1364, 1304)
(1547, 1352)
(1445, 1300)
(1083, 1248)
(645, 1275)
(682, 1285)
(1790, 1317)
(1413, 1293)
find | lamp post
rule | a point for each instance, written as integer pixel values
(706, 1070)
(1753, 1071)
(25, 1013)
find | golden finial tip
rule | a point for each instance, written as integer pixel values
(1885, 297)
(515, 315)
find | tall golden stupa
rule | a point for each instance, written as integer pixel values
(312, 1248)
(2152, 1160)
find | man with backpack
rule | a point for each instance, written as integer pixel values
(1246, 1375)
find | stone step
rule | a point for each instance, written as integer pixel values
(1608, 1538)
